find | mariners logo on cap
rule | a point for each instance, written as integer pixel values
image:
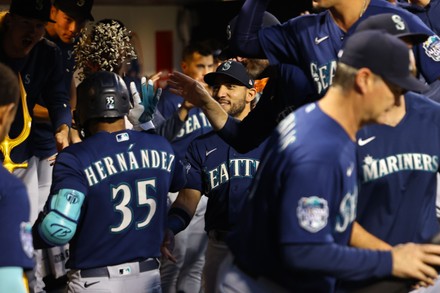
(80, 3)
(400, 25)
(226, 66)
(312, 213)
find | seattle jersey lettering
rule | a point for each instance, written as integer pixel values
(347, 211)
(373, 169)
(128, 161)
(323, 75)
(236, 168)
(194, 122)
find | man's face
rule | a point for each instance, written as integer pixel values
(387, 97)
(22, 34)
(66, 28)
(254, 66)
(198, 66)
(231, 96)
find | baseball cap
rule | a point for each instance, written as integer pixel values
(38, 9)
(268, 20)
(392, 24)
(232, 69)
(77, 9)
(384, 54)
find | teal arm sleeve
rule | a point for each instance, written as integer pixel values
(11, 280)
(59, 225)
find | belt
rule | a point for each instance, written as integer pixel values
(144, 266)
(218, 235)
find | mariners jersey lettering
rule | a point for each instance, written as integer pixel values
(129, 161)
(195, 122)
(398, 172)
(223, 175)
(235, 168)
(374, 168)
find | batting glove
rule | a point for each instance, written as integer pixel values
(143, 109)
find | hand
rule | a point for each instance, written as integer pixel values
(188, 88)
(143, 109)
(62, 137)
(167, 246)
(415, 261)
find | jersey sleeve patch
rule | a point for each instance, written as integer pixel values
(432, 47)
(26, 239)
(312, 213)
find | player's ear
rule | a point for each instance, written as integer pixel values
(251, 94)
(363, 80)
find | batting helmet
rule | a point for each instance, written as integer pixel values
(102, 94)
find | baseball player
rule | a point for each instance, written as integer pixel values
(16, 248)
(70, 18)
(190, 245)
(109, 203)
(397, 194)
(299, 213)
(39, 64)
(218, 171)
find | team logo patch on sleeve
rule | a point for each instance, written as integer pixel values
(312, 213)
(26, 238)
(432, 47)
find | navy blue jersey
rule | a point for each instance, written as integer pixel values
(43, 140)
(313, 41)
(42, 74)
(398, 167)
(16, 248)
(125, 177)
(304, 195)
(196, 124)
(223, 175)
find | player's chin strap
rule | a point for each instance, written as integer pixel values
(59, 224)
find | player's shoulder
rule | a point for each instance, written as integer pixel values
(307, 20)
(423, 106)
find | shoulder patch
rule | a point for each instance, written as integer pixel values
(312, 213)
(432, 47)
(26, 238)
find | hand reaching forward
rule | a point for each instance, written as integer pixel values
(416, 261)
(188, 88)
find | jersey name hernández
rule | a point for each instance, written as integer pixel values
(235, 168)
(373, 169)
(128, 161)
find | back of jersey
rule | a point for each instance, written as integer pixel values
(126, 177)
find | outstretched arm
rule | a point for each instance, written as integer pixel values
(244, 40)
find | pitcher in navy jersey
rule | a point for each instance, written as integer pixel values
(109, 194)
